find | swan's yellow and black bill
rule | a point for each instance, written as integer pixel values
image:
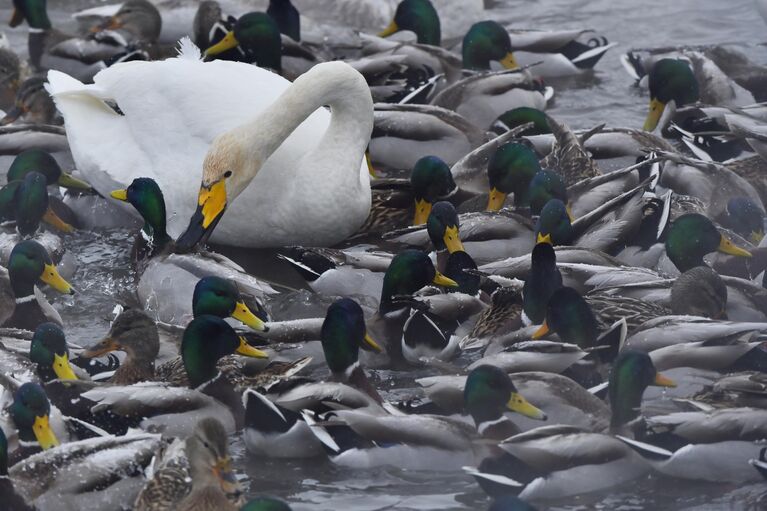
(509, 62)
(227, 480)
(69, 181)
(728, 247)
(391, 29)
(496, 200)
(368, 342)
(104, 346)
(62, 368)
(441, 280)
(51, 277)
(542, 331)
(119, 195)
(543, 238)
(51, 218)
(662, 380)
(211, 204)
(227, 43)
(422, 211)
(43, 433)
(247, 350)
(243, 314)
(519, 404)
(452, 240)
(653, 115)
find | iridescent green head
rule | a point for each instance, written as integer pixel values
(489, 392)
(343, 334)
(417, 16)
(29, 264)
(691, 237)
(409, 271)
(746, 218)
(544, 278)
(258, 36)
(523, 115)
(431, 180)
(510, 170)
(485, 42)
(571, 317)
(220, 297)
(544, 186)
(50, 352)
(554, 226)
(266, 504)
(145, 195)
(41, 161)
(34, 12)
(670, 80)
(30, 412)
(31, 203)
(457, 262)
(287, 18)
(631, 374)
(443, 225)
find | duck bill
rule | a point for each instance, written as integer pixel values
(509, 62)
(43, 433)
(246, 350)
(496, 200)
(653, 115)
(225, 476)
(243, 314)
(51, 218)
(211, 205)
(728, 247)
(662, 380)
(422, 211)
(121, 195)
(69, 181)
(369, 343)
(452, 240)
(519, 404)
(391, 29)
(101, 348)
(17, 18)
(51, 277)
(227, 43)
(542, 331)
(441, 280)
(371, 170)
(62, 368)
(540, 238)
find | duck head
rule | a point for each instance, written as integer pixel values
(34, 12)
(631, 374)
(49, 351)
(343, 334)
(133, 332)
(418, 16)
(544, 279)
(692, 236)
(544, 186)
(258, 37)
(510, 170)
(220, 297)
(672, 84)
(489, 392)
(553, 225)
(205, 341)
(519, 116)
(30, 263)
(431, 180)
(41, 161)
(266, 504)
(145, 196)
(287, 18)
(485, 42)
(409, 271)
(746, 218)
(208, 453)
(457, 262)
(31, 414)
(442, 226)
(32, 206)
(569, 316)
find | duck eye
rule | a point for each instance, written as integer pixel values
(228, 173)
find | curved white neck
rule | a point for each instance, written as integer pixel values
(333, 84)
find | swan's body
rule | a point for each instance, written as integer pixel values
(314, 189)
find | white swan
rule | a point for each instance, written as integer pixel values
(300, 170)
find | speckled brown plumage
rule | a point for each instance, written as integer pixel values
(568, 157)
(504, 315)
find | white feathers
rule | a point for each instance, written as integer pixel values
(187, 50)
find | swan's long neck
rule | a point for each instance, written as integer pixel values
(334, 84)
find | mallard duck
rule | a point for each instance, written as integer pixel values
(12, 499)
(204, 481)
(28, 263)
(257, 36)
(12, 73)
(49, 351)
(510, 170)
(282, 431)
(155, 259)
(544, 278)
(29, 205)
(418, 440)
(32, 105)
(41, 161)
(30, 414)
(747, 389)
(691, 237)
(318, 182)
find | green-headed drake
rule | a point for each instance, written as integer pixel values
(569, 316)
(8, 494)
(518, 116)
(672, 84)
(692, 236)
(510, 170)
(544, 186)
(29, 264)
(431, 181)
(31, 205)
(146, 197)
(485, 42)
(50, 352)
(257, 36)
(554, 225)
(746, 218)
(266, 504)
(443, 225)
(30, 412)
(284, 13)
(419, 17)
(220, 297)
(38, 160)
(544, 278)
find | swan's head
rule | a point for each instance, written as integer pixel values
(223, 178)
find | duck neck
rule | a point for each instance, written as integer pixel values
(334, 84)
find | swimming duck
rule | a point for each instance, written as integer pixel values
(510, 170)
(692, 236)
(28, 263)
(49, 351)
(12, 499)
(30, 413)
(332, 83)
(29, 204)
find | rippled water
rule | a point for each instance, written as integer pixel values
(606, 96)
